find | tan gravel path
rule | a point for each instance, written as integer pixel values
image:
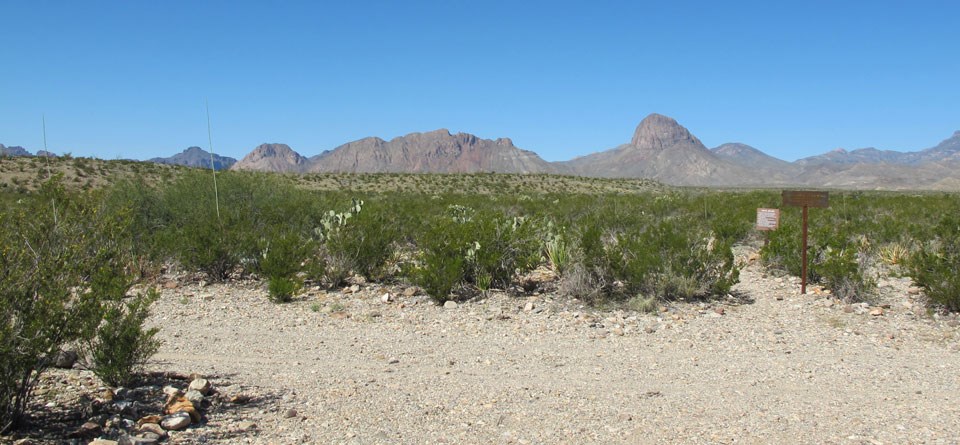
(774, 367)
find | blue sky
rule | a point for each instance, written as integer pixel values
(128, 79)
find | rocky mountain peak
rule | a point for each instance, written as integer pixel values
(272, 157)
(658, 131)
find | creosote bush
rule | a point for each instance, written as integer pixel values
(122, 345)
(471, 249)
(936, 264)
(62, 266)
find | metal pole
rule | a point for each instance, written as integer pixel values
(803, 278)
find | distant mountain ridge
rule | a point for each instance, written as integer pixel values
(198, 158)
(660, 149)
(436, 151)
(13, 151)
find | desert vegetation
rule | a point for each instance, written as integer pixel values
(71, 252)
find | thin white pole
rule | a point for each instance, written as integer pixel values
(53, 200)
(216, 192)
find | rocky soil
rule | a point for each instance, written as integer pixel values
(383, 364)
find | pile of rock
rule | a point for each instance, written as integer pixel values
(114, 413)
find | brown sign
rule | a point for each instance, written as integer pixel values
(803, 198)
(768, 219)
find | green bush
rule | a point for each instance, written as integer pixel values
(468, 248)
(936, 264)
(121, 345)
(62, 261)
(363, 245)
(282, 289)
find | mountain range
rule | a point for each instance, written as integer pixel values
(660, 149)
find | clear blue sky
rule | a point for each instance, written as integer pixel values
(129, 78)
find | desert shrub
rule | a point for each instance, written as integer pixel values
(674, 260)
(218, 238)
(62, 261)
(363, 245)
(934, 266)
(669, 258)
(281, 260)
(590, 275)
(121, 345)
(469, 248)
(282, 289)
(840, 262)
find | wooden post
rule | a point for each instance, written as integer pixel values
(805, 199)
(803, 278)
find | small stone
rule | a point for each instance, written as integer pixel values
(170, 285)
(291, 413)
(171, 391)
(145, 439)
(149, 419)
(107, 395)
(393, 361)
(246, 426)
(104, 442)
(848, 309)
(618, 332)
(153, 428)
(650, 329)
(386, 298)
(355, 288)
(200, 385)
(194, 396)
(410, 291)
(26, 441)
(913, 290)
(176, 422)
(65, 359)
(450, 304)
(719, 310)
(876, 312)
(88, 429)
(528, 307)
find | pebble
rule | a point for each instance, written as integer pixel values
(176, 422)
(450, 304)
(246, 426)
(291, 413)
(194, 396)
(386, 298)
(152, 428)
(200, 385)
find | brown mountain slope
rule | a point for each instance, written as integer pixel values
(663, 150)
(272, 158)
(747, 156)
(432, 152)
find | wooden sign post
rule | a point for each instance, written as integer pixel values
(805, 199)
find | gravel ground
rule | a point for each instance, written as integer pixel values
(769, 366)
